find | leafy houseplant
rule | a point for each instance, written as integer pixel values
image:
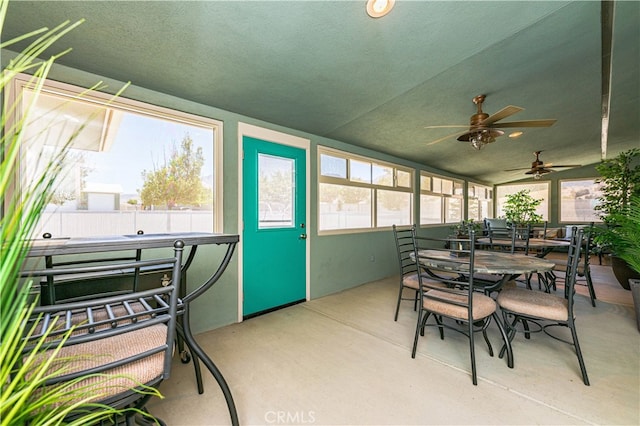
(461, 229)
(520, 208)
(625, 236)
(620, 178)
(24, 398)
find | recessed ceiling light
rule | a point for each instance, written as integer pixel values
(515, 134)
(379, 8)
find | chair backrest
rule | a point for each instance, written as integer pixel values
(540, 231)
(495, 223)
(405, 247)
(498, 231)
(573, 260)
(110, 345)
(448, 261)
(520, 236)
(589, 234)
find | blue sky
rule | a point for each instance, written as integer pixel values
(140, 142)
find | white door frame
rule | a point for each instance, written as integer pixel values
(273, 136)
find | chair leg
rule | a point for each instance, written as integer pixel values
(415, 339)
(576, 345)
(486, 339)
(528, 281)
(592, 292)
(472, 352)
(395, 318)
(440, 326)
(424, 324)
(509, 330)
(506, 339)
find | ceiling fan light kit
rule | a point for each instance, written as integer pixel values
(484, 128)
(538, 168)
(480, 137)
(537, 174)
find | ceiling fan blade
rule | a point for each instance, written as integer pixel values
(564, 165)
(527, 123)
(518, 169)
(445, 138)
(451, 126)
(539, 171)
(503, 113)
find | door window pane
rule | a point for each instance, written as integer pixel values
(276, 189)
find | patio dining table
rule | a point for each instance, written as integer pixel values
(506, 266)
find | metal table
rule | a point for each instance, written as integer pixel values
(505, 264)
(49, 247)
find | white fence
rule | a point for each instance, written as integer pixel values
(88, 223)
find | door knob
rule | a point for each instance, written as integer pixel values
(303, 236)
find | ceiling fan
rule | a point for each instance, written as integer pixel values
(538, 168)
(484, 128)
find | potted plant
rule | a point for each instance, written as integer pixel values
(461, 229)
(24, 399)
(620, 178)
(625, 236)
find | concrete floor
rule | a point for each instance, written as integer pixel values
(342, 360)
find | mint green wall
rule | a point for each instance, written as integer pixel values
(338, 262)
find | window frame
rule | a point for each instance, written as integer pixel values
(444, 197)
(546, 215)
(594, 188)
(347, 181)
(74, 92)
(489, 195)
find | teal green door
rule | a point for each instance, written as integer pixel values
(274, 229)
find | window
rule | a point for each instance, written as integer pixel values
(132, 166)
(356, 193)
(578, 199)
(479, 202)
(536, 190)
(441, 199)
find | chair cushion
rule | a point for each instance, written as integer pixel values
(95, 353)
(411, 281)
(552, 233)
(436, 301)
(534, 303)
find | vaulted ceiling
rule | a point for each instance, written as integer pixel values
(326, 68)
